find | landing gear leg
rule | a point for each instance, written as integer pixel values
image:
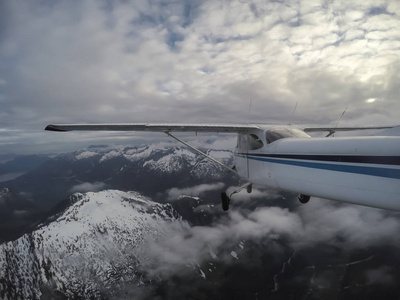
(303, 198)
(225, 201)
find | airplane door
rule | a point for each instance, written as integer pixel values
(248, 144)
(241, 152)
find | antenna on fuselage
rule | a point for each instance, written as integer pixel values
(333, 132)
(248, 117)
(341, 117)
(294, 110)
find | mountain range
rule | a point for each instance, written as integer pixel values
(124, 168)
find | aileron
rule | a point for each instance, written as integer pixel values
(334, 129)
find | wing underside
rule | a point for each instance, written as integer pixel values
(157, 127)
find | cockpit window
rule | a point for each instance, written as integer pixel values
(284, 132)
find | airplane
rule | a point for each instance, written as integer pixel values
(363, 170)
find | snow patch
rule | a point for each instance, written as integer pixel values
(202, 274)
(241, 245)
(212, 253)
(110, 155)
(85, 155)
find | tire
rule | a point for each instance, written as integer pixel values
(225, 201)
(303, 198)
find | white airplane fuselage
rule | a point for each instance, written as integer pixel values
(358, 170)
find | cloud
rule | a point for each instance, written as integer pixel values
(320, 222)
(88, 187)
(381, 275)
(195, 62)
(347, 226)
(195, 191)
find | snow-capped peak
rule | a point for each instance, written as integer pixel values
(93, 245)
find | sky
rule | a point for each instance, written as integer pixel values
(193, 62)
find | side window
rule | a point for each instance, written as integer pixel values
(255, 142)
(249, 142)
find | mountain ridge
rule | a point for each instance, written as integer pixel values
(122, 168)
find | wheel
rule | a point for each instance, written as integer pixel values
(225, 201)
(249, 188)
(303, 198)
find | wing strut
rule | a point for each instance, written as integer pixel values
(200, 152)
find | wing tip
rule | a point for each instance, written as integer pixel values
(54, 128)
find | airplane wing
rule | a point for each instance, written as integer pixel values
(175, 127)
(159, 127)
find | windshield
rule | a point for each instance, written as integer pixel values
(284, 132)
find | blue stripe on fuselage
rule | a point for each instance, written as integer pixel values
(328, 165)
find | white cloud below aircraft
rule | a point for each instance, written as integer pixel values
(361, 170)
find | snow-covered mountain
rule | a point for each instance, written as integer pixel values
(158, 159)
(91, 249)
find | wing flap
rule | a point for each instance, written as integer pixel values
(332, 130)
(157, 127)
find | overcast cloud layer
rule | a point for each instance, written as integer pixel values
(194, 61)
